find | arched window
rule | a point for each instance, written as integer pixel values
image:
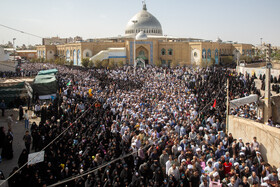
(163, 51)
(87, 54)
(170, 51)
(195, 54)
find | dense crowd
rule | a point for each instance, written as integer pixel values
(156, 128)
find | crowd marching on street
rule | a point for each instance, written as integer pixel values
(159, 127)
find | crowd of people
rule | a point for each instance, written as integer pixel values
(155, 128)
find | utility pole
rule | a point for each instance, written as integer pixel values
(267, 99)
(14, 50)
(227, 117)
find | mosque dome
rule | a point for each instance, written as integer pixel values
(143, 21)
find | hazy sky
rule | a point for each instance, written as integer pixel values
(245, 21)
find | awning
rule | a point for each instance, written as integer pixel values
(47, 72)
(244, 100)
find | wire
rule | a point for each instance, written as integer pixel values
(20, 31)
(47, 145)
(91, 171)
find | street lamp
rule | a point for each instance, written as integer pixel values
(14, 50)
(140, 36)
(134, 50)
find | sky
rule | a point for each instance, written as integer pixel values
(244, 21)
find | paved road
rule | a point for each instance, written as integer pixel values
(18, 129)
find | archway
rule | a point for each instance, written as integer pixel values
(142, 53)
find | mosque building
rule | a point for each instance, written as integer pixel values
(145, 42)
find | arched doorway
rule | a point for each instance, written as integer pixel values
(142, 54)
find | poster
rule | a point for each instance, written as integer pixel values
(36, 157)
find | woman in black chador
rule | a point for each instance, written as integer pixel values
(7, 151)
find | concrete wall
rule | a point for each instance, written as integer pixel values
(257, 71)
(268, 137)
(7, 66)
(276, 65)
(275, 107)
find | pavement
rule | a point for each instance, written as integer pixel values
(6, 166)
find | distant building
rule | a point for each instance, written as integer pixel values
(156, 48)
(4, 54)
(60, 41)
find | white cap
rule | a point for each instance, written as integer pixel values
(198, 149)
(183, 160)
(190, 166)
(257, 152)
(241, 153)
(236, 164)
(264, 184)
(179, 148)
(243, 148)
(133, 144)
(200, 128)
(265, 179)
(240, 138)
(215, 174)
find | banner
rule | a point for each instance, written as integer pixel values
(36, 157)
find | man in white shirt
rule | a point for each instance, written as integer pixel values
(174, 171)
(168, 164)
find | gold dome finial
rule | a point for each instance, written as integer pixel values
(144, 5)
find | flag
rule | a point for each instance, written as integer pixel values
(69, 83)
(214, 105)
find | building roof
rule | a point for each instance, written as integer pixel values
(143, 21)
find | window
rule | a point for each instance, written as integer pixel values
(163, 51)
(195, 54)
(170, 51)
(50, 52)
(87, 54)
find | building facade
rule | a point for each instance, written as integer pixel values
(157, 48)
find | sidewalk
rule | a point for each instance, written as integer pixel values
(6, 166)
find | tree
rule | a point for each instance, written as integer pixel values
(85, 62)
(246, 58)
(120, 64)
(105, 63)
(275, 55)
(90, 64)
(227, 59)
(32, 60)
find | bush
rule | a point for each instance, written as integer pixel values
(90, 64)
(105, 63)
(98, 64)
(174, 64)
(227, 59)
(158, 63)
(120, 64)
(246, 58)
(85, 62)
